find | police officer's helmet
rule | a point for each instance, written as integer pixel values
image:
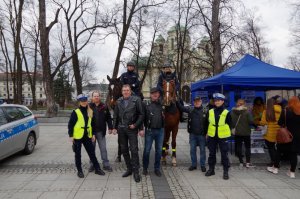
(131, 63)
(167, 65)
(218, 96)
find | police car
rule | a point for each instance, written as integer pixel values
(19, 130)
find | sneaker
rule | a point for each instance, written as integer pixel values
(249, 165)
(191, 168)
(291, 174)
(272, 170)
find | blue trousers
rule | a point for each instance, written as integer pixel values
(156, 135)
(197, 140)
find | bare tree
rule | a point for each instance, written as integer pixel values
(217, 19)
(82, 19)
(12, 12)
(129, 9)
(251, 39)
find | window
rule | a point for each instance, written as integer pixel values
(4, 95)
(3, 119)
(28, 94)
(10, 95)
(13, 113)
(10, 89)
(41, 95)
(4, 89)
(161, 48)
(28, 89)
(41, 89)
(24, 111)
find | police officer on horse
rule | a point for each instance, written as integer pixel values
(167, 75)
(131, 78)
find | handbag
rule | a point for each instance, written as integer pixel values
(233, 130)
(283, 134)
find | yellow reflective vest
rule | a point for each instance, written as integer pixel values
(80, 125)
(223, 128)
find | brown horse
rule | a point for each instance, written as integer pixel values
(172, 117)
(114, 93)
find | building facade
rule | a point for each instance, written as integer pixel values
(7, 91)
(194, 61)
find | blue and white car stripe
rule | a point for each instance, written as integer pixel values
(11, 132)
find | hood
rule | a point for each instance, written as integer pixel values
(239, 109)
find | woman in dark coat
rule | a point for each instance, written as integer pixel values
(292, 122)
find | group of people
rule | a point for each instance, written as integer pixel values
(209, 127)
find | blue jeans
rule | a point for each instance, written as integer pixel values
(197, 140)
(151, 135)
(102, 147)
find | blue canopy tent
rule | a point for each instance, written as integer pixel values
(251, 74)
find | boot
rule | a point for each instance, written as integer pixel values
(137, 177)
(225, 175)
(210, 172)
(127, 173)
(99, 172)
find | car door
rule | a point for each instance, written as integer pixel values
(16, 129)
(6, 147)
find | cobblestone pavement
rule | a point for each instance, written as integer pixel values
(50, 173)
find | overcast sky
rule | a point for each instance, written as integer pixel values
(275, 16)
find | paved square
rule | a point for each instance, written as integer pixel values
(50, 173)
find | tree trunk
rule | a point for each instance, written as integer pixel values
(18, 54)
(217, 57)
(76, 68)
(117, 61)
(44, 42)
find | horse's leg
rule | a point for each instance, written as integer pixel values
(165, 145)
(174, 135)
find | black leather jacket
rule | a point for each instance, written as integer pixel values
(131, 114)
(153, 115)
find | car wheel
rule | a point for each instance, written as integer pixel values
(30, 144)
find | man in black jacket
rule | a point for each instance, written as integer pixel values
(197, 128)
(154, 124)
(128, 117)
(101, 117)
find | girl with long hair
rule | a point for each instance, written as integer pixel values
(270, 118)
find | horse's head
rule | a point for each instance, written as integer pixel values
(169, 92)
(114, 90)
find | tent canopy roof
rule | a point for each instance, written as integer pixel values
(251, 73)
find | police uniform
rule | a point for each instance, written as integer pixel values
(131, 78)
(218, 131)
(80, 129)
